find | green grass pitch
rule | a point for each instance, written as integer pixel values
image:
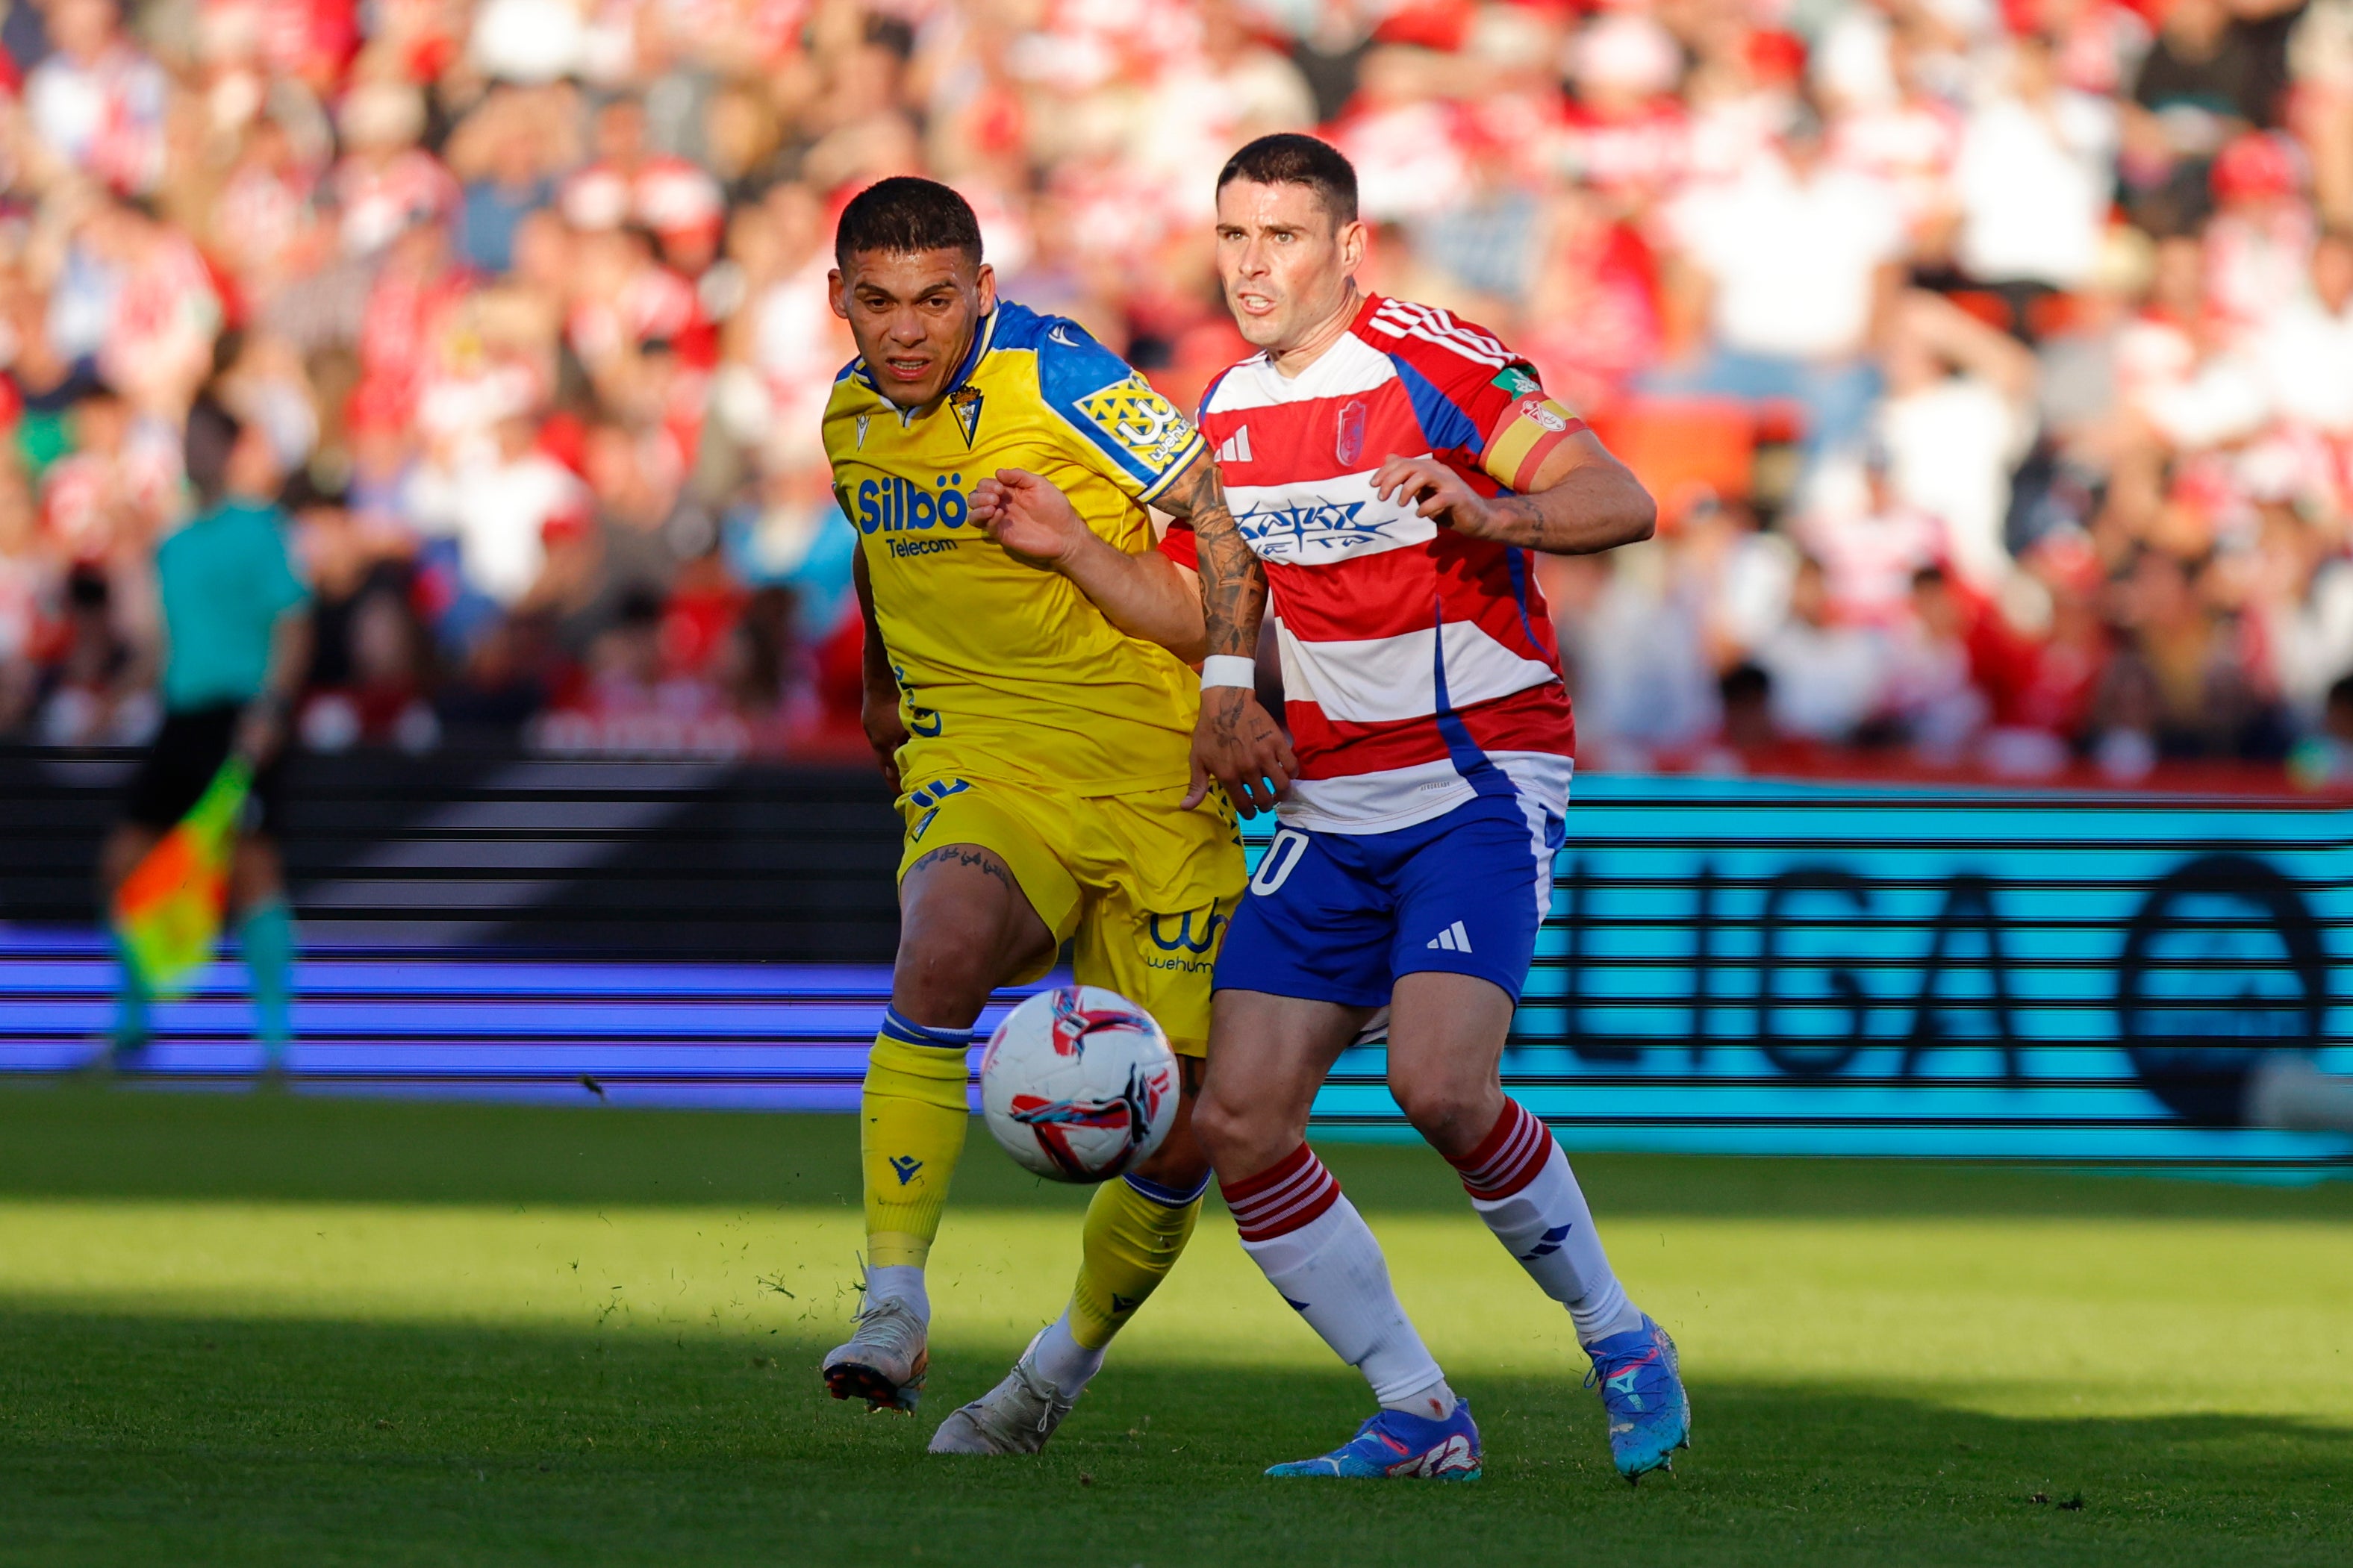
(294, 1331)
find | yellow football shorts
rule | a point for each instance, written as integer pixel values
(1140, 889)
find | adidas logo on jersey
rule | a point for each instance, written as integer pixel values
(1237, 447)
(1453, 939)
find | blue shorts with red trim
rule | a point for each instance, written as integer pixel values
(1337, 917)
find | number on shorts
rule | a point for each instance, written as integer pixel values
(1283, 857)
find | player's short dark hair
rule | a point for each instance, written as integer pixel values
(213, 434)
(1287, 158)
(906, 214)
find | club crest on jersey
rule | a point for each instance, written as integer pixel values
(1145, 425)
(964, 403)
(1348, 440)
(863, 420)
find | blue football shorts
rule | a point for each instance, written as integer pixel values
(1337, 917)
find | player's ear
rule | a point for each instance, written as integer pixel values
(985, 286)
(1353, 240)
(837, 293)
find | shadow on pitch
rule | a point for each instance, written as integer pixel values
(222, 1440)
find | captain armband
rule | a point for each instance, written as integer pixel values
(1526, 435)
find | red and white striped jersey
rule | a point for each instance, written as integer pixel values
(1415, 659)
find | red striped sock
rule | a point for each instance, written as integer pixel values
(1287, 1195)
(1511, 1156)
(1316, 1249)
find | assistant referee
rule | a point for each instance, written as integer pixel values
(237, 625)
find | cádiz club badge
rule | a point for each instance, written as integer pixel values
(964, 403)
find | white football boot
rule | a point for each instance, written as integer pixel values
(1017, 1416)
(883, 1363)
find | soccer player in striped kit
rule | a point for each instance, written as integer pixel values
(1388, 469)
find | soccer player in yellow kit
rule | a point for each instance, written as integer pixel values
(1028, 695)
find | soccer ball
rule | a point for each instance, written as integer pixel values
(1079, 1084)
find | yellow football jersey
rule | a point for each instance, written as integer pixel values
(1007, 670)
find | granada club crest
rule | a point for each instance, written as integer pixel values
(1348, 441)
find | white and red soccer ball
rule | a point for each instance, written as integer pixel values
(1079, 1084)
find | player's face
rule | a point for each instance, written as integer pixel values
(1284, 264)
(913, 314)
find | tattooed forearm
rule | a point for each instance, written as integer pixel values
(1236, 745)
(1233, 585)
(1522, 523)
(1593, 507)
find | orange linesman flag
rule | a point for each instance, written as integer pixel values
(168, 909)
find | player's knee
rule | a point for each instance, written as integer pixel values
(1453, 1116)
(1234, 1134)
(1216, 1126)
(944, 974)
(1180, 1162)
(255, 873)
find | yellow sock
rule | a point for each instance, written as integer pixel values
(911, 1121)
(1135, 1229)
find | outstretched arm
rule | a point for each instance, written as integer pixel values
(1583, 500)
(1146, 595)
(1237, 742)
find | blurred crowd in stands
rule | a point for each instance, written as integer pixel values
(1992, 360)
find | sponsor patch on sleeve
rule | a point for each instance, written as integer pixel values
(1141, 423)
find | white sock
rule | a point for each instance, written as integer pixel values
(1062, 1361)
(1436, 1403)
(1522, 1186)
(901, 1282)
(1316, 1249)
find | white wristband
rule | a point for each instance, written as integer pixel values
(1228, 669)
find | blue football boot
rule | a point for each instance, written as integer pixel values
(1642, 1389)
(1397, 1445)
